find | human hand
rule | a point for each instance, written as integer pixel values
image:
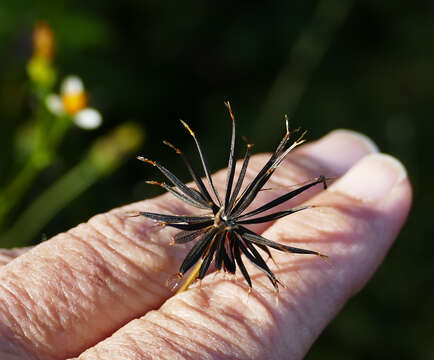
(99, 290)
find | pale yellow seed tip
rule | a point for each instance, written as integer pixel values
(150, 182)
(325, 258)
(187, 127)
(287, 124)
(132, 213)
(228, 105)
(141, 158)
(172, 146)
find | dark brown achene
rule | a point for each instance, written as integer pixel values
(222, 236)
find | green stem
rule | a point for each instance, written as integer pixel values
(46, 142)
(19, 185)
(306, 54)
(12, 192)
(57, 133)
(104, 156)
(34, 218)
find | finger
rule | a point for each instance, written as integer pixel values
(73, 290)
(331, 156)
(7, 255)
(334, 159)
(363, 214)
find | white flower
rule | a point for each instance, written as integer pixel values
(72, 84)
(88, 119)
(54, 104)
(73, 101)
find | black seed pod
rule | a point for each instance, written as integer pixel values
(222, 236)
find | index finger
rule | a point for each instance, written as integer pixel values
(77, 288)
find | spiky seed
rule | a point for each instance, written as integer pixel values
(221, 235)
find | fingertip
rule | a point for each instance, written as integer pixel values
(372, 178)
(364, 141)
(339, 150)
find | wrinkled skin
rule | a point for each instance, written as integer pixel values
(99, 290)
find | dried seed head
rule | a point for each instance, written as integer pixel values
(221, 236)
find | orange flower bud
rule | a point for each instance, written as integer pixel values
(43, 41)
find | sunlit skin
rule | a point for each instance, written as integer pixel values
(98, 291)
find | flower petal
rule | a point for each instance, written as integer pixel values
(88, 119)
(54, 104)
(72, 84)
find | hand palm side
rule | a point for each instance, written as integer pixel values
(95, 287)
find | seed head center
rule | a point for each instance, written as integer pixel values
(221, 221)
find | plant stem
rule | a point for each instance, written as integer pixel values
(104, 156)
(49, 133)
(17, 188)
(49, 203)
(305, 55)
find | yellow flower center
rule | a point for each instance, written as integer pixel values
(74, 102)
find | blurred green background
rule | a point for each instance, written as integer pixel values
(366, 65)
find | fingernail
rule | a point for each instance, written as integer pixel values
(372, 178)
(341, 149)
